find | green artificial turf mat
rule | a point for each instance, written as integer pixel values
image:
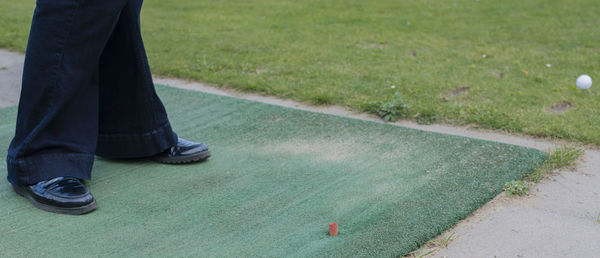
(277, 178)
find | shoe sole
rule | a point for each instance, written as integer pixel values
(61, 210)
(198, 157)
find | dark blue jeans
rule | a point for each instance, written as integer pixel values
(87, 90)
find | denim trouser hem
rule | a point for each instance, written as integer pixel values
(33, 169)
(123, 146)
(86, 89)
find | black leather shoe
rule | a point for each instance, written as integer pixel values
(65, 195)
(183, 152)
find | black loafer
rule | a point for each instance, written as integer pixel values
(65, 195)
(183, 152)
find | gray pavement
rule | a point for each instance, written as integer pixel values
(11, 67)
(561, 218)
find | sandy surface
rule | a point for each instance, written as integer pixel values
(561, 218)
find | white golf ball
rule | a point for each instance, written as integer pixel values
(584, 82)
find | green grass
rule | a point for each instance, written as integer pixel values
(517, 188)
(563, 157)
(277, 178)
(360, 53)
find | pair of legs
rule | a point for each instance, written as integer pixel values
(87, 90)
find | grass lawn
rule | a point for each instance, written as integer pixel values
(497, 64)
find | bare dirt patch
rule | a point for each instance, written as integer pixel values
(327, 151)
(381, 45)
(456, 92)
(560, 108)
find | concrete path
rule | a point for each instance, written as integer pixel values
(561, 218)
(11, 68)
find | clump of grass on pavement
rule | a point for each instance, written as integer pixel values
(517, 188)
(563, 157)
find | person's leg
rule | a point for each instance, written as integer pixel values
(57, 123)
(133, 122)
